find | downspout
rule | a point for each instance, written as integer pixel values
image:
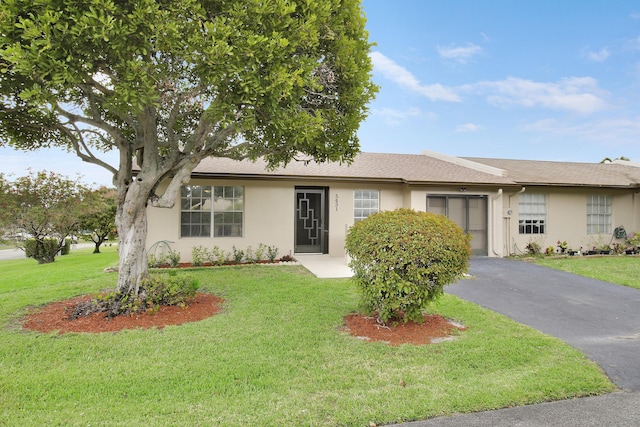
(495, 224)
(522, 190)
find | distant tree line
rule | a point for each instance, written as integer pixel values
(43, 211)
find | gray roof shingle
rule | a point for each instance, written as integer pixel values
(414, 168)
(436, 168)
(528, 172)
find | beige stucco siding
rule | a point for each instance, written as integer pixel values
(567, 218)
(341, 207)
(269, 215)
(268, 219)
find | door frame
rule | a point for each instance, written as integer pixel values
(322, 247)
(481, 252)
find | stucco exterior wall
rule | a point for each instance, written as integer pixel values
(269, 215)
(268, 219)
(567, 218)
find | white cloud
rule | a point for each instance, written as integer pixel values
(405, 79)
(459, 53)
(467, 127)
(599, 56)
(608, 132)
(634, 44)
(394, 117)
(575, 94)
(580, 95)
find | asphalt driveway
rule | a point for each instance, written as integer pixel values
(601, 319)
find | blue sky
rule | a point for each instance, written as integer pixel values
(542, 80)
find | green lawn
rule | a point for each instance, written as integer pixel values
(274, 357)
(623, 270)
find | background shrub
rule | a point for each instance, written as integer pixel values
(402, 260)
(43, 251)
(66, 248)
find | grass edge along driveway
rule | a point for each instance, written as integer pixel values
(275, 357)
(622, 270)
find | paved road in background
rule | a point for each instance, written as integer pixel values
(18, 253)
(11, 254)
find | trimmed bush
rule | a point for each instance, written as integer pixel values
(66, 249)
(402, 260)
(44, 251)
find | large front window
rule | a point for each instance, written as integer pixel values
(206, 210)
(598, 214)
(533, 213)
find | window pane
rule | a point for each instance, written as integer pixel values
(599, 214)
(365, 203)
(532, 213)
(228, 211)
(198, 205)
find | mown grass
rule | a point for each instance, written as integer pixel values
(276, 356)
(623, 270)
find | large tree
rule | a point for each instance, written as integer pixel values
(167, 83)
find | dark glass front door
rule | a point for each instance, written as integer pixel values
(311, 224)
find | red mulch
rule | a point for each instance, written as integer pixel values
(434, 328)
(54, 317)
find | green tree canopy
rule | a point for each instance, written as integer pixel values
(100, 219)
(47, 207)
(168, 83)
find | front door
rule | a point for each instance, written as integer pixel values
(311, 224)
(469, 212)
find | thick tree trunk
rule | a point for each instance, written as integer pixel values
(131, 222)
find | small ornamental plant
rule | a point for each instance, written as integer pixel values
(402, 260)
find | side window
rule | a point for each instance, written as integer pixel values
(228, 211)
(365, 203)
(195, 211)
(533, 213)
(598, 214)
(211, 211)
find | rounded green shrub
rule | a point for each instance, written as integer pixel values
(402, 260)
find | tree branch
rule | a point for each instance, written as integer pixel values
(75, 118)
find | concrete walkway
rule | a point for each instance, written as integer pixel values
(600, 319)
(325, 266)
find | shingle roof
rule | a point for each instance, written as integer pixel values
(528, 172)
(436, 168)
(412, 168)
